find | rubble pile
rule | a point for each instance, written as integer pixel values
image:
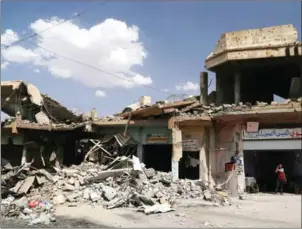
(200, 109)
(127, 183)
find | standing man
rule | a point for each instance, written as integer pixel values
(281, 179)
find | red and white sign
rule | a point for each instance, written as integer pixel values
(252, 127)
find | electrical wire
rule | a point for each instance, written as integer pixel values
(93, 67)
(55, 25)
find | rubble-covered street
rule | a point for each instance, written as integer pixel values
(126, 194)
(33, 194)
(257, 210)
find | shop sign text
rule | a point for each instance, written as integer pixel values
(156, 138)
(288, 133)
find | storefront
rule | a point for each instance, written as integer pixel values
(189, 164)
(157, 148)
(266, 148)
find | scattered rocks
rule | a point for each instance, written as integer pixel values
(146, 189)
(207, 195)
(150, 173)
(94, 196)
(109, 193)
(59, 199)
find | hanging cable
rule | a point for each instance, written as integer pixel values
(95, 68)
(55, 25)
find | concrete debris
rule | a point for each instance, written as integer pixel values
(59, 199)
(108, 192)
(146, 189)
(212, 109)
(156, 208)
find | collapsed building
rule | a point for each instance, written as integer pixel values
(38, 126)
(193, 138)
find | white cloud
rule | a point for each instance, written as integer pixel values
(18, 54)
(100, 93)
(37, 70)
(188, 86)
(9, 37)
(4, 65)
(111, 46)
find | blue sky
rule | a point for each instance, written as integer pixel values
(177, 37)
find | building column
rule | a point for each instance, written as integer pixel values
(24, 153)
(203, 157)
(237, 88)
(218, 89)
(203, 88)
(176, 152)
(140, 145)
(211, 154)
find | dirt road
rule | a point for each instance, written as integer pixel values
(259, 210)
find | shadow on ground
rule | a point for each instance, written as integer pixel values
(61, 222)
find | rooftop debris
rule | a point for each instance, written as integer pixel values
(192, 108)
(26, 124)
(32, 194)
(35, 106)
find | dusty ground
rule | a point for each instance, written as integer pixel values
(259, 210)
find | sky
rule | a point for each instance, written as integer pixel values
(123, 50)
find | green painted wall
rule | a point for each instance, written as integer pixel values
(156, 130)
(138, 133)
(133, 131)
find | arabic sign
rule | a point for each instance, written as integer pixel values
(190, 142)
(156, 138)
(289, 133)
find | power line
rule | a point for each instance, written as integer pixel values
(60, 23)
(93, 67)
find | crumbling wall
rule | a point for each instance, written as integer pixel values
(196, 140)
(224, 147)
(268, 36)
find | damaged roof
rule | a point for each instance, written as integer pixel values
(191, 111)
(268, 42)
(36, 126)
(25, 97)
(159, 109)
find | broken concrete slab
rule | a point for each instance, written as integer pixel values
(207, 195)
(105, 174)
(94, 196)
(108, 192)
(59, 199)
(29, 181)
(150, 173)
(157, 208)
(68, 187)
(41, 180)
(42, 118)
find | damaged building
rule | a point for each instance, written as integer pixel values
(194, 138)
(39, 128)
(252, 66)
